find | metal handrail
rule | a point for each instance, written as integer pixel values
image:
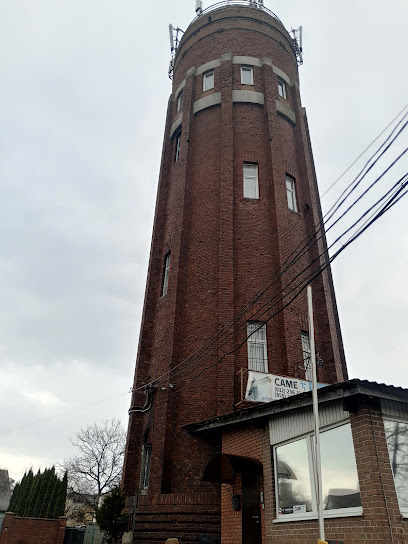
(248, 3)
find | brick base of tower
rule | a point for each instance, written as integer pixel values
(175, 515)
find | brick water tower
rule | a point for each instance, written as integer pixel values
(237, 235)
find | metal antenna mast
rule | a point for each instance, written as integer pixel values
(298, 43)
(174, 42)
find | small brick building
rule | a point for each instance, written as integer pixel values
(266, 471)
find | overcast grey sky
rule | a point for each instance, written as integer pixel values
(83, 98)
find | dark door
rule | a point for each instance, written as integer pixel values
(251, 509)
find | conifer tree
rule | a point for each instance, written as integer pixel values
(51, 483)
(42, 495)
(23, 505)
(33, 493)
(59, 505)
(14, 498)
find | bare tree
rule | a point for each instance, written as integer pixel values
(97, 468)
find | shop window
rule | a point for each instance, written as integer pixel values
(208, 80)
(251, 184)
(295, 481)
(247, 75)
(396, 433)
(257, 354)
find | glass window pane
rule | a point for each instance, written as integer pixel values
(250, 188)
(339, 471)
(397, 441)
(250, 170)
(246, 76)
(251, 185)
(294, 488)
(208, 81)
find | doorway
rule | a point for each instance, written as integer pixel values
(251, 509)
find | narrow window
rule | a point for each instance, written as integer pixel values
(145, 471)
(282, 88)
(290, 190)
(166, 272)
(304, 336)
(180, 101)
(247, 75)
(177, 147)
(208, 80)
(396, 433)
(251, 184)
(257, 354)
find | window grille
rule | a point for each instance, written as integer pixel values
(307, 363)
(257, 353)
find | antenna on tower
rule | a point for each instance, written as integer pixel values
(298, 43)
(199, 7)
(171, 37)
(174, 41)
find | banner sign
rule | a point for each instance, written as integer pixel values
(263, 387)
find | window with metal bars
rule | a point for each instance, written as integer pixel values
(304, 336)
(145, 469)
(257, 352)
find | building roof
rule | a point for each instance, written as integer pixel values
(351, 391)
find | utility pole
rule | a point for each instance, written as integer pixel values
(317, 461)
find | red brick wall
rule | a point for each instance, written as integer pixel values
(18, 530)
(224, 248)
(248, 443)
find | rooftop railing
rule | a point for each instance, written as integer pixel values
(255, 4)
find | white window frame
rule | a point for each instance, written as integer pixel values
(291, 193)
(166, 274)
(338, 513)
(250, 178)
(177, 147)
(179, 101)
(251, 341)
(403, 511)
(208, 80)
(249, 69)
(282, 88)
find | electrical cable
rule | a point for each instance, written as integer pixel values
(312, 276)
(257, 315)
(365, 150)
(215, 338)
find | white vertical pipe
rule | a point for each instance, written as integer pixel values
(317, 461)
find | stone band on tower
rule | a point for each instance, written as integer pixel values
(237, 197)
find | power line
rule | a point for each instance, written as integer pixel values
(215, 339)
(216, 345)
(311, 277)
(70, 411)
(365, 150)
